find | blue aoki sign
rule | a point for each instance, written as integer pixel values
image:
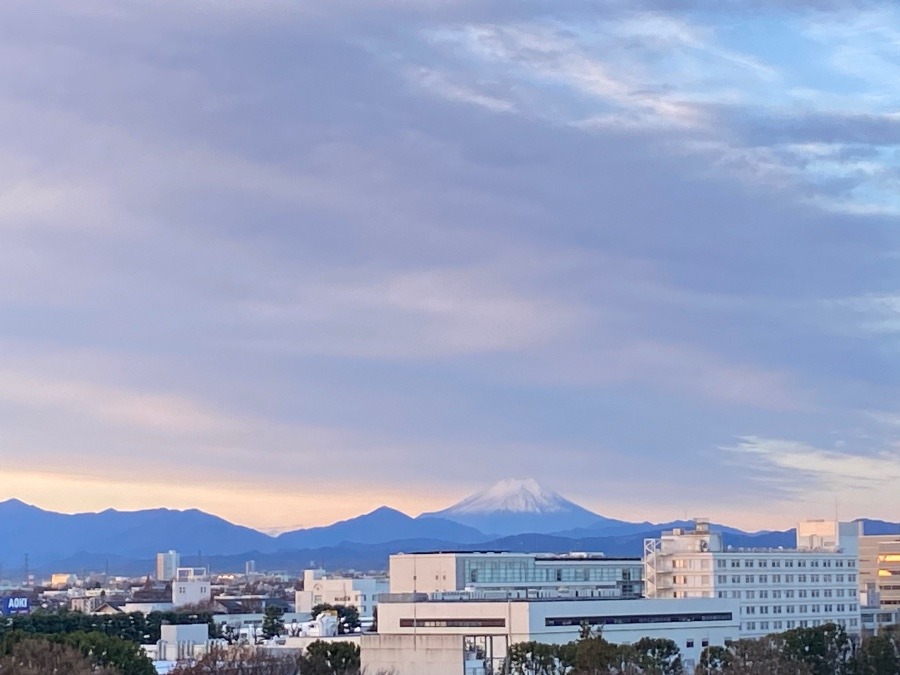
(15, 605)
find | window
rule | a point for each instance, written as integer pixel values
(764, 594)
(751, 625)
(764, 609)
(735, 563)
(763, 578)
(735, 578)
(801, 593)
(827, 593)
(736, 594)
(764, 625)
(788, 563)
(801, 578)
(761, 563)
(813, 563)
(839, 578)
(814, 593)
(748, 563)
(778, 625)
(722, 579)
(704, 642)
(776, 609)
(776, 578)
(748, 579)
(801, 563)
(803, 609)
(776, 594)
(720, 563)
(689, 644)
(789, 594)
(790, 609)
(814, 578)
(788, 578)
(851, 577)
(776, 563)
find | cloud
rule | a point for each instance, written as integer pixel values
(860, 483)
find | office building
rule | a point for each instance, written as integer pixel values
(166, 565)
(498, 574)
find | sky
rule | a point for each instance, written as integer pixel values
(288, 261)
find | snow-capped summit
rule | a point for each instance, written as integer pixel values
(518, 506)
(517, 495)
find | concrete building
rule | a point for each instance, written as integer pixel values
(496, 574)
(777, 589)
(361, 592)
(418, 634)
(879, 570)
(166, 565)
(191, 587)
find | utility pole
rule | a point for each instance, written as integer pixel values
(26, 569)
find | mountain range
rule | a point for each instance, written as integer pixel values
(513, 515)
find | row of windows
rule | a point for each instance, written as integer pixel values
(779, 578)
(799, 562)
(788, 579)
(804, 623)
(626, 619)
(526, 571)
(789, 594)
(799, 609)
(452, 623)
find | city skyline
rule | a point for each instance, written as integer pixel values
(290, 262)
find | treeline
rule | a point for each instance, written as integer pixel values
(135, 627)
(824, 650)
(320, 658)
(77, 653)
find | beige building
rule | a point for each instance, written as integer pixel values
(319, 588)
(879, 570)
(418, 634)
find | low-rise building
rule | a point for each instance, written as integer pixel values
(319, 588)
(191, 587)
(420, 633)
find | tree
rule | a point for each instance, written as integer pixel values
(39, 656)
(273, 622)
(879, 655)
(595, 656)
(330, 658)
(537, 658)
(240, 661)
(825, 650)
(657, 656)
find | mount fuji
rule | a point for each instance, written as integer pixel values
(520, 505)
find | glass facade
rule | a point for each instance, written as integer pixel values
(529, 571)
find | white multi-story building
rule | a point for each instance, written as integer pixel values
(191, 586)
(166, 565)
(499, 574)
(777, 589)
(361, 592)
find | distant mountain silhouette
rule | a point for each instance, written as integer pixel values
(382, 524)
(47, 536)
(515, 515)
